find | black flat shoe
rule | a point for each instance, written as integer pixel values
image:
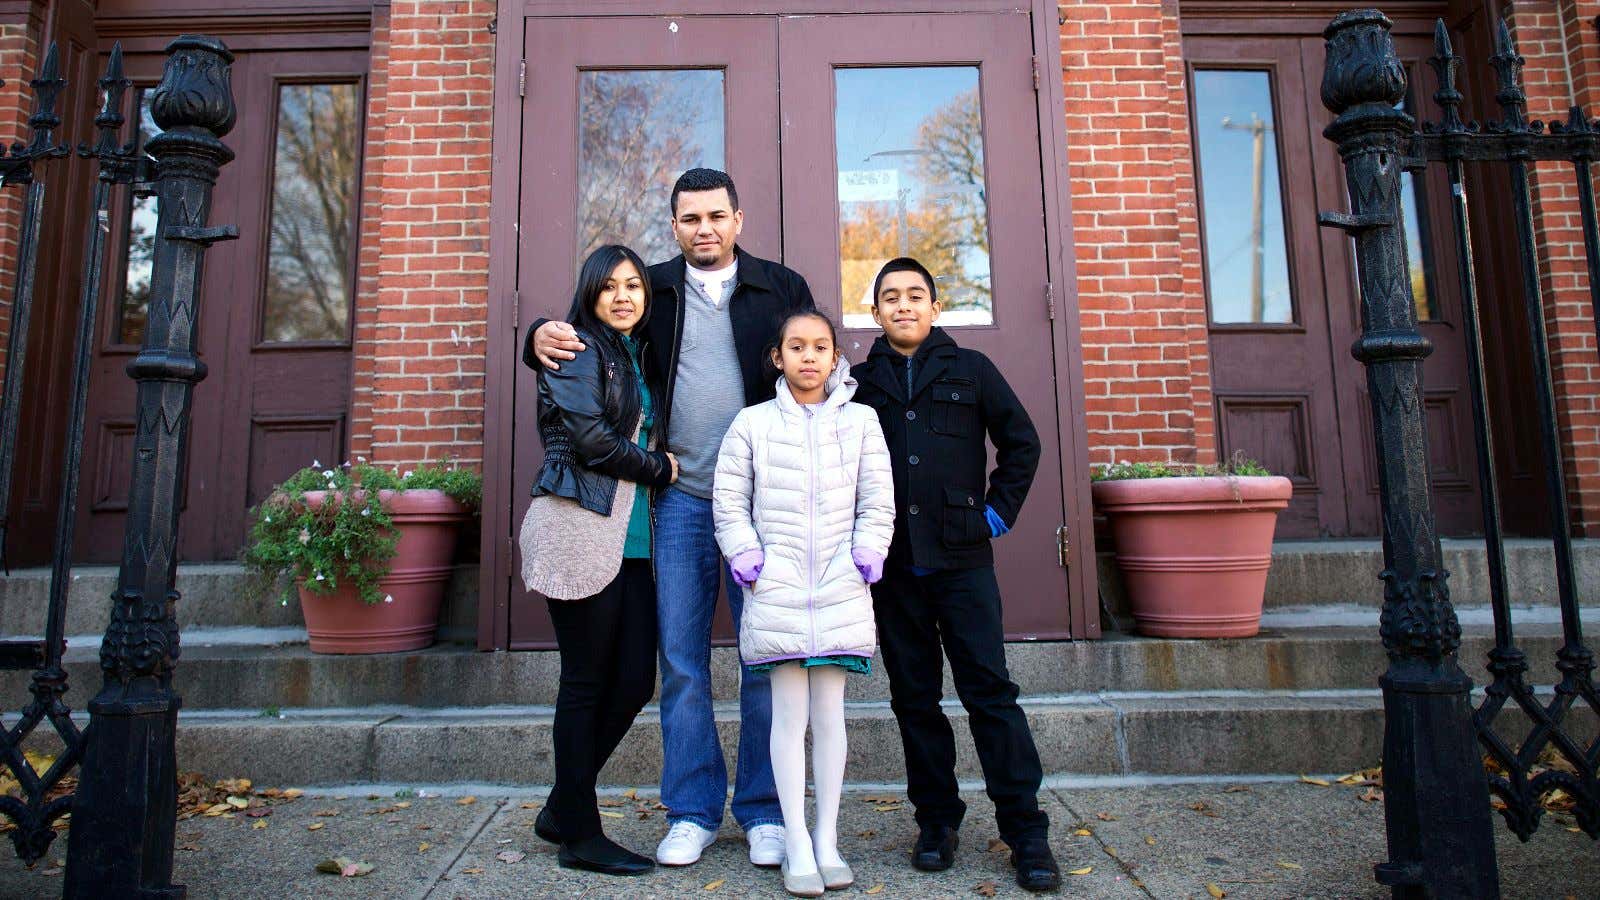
(936, 848)
(603, 855)
(1036, 865)
(544, 825)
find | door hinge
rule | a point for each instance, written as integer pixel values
(1050, 299)
(516, 309)
(522, 79)
(1063, 547)
(1036, 73)
(511, 548)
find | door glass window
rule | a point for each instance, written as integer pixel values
(1246, 246)
(1418, 260)
(310, 262)
(637, 132)
(139, 249)
(909, 154)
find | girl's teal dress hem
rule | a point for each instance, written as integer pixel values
(861, 665)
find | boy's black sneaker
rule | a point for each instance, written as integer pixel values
(936, 848)
(601, 854)
(1036, 865)
(544, 825)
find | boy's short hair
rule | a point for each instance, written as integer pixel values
(704, 180)
(905, 264)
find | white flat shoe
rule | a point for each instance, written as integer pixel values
(836, 877)
(807, 885)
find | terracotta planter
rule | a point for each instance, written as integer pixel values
(1194, 552)
(340, 623)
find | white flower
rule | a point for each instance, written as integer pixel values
(328, 474)
(284, 602)
(305, 536)
(269, 519)
(320, 578)
(388, 598)
(408, 474)
(316, 464)
(366, 511)
(361, 459)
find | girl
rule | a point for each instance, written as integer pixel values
(804, 507)
(586, 546)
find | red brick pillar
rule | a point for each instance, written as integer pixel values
(19, 60)
(1141, 298)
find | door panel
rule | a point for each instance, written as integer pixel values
(942, 162)
(616, 110)
(267, 407)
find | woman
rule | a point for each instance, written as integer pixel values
(586, 546)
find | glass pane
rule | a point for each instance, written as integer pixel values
(310, 262)
(1418, 258)
(139, 253)
(909, 154)
(1246, 252)
(637, 132)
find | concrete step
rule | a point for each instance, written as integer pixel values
(454, 676)
(1316, 573)
(1168, 734)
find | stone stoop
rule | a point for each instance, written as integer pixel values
(1301, 697)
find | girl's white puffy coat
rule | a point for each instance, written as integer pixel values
(806, 489)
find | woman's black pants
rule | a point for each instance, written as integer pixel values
(608, 672)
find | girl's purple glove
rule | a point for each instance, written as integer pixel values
(869, 564)
(747, 566)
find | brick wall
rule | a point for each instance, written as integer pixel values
(1563, 67)
(19, 56)
(419, 396)
(1140, 296)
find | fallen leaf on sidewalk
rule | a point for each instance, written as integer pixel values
(467, 800)
(293, 794)
(887, 807)
(1111, 850)
(1215, 891)
(996, 845)
(530, 806)
(608, 801)
(1285, 864)
(510, 857)
(631, 793)
(216, 810)
(239, 802)
(1082, 832)
(403, 804)
(869, 833)
(610, 815)
(259, 824)
(875, 889)
(50, 872)
(472, 870)
(713, 885)
(1237, 789)
(314, 826)
(984, 888)
(1204, 809)
(344, 867)
(1370, 795)
(881, 798)
(259, 812)
(1083, 871)
(1150, 841)
(325, 813)
(1105, 817)
(189, 848)
(382, 810)
(423, 847)
(1319, 782)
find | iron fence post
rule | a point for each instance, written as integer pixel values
(124, 814)
(1436, 796)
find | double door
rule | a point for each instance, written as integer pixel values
(847, 150)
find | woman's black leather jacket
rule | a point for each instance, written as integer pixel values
(587, 411)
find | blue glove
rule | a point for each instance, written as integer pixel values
(997, 525)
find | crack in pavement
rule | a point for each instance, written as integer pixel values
(470, 836)
(1094, 835)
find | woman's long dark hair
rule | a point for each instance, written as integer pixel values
(592, 280)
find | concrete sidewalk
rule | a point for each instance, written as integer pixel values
(1247, 839)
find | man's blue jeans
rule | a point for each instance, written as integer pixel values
(694, 777)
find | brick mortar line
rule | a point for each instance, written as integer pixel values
(473, 832)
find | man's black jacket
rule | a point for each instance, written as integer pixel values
(764, 294)
(937, 440)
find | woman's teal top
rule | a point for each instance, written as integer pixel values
(637, 545)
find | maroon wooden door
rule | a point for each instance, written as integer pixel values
(275, 305)
(1281, 292)
(616, 109)
(928, 145)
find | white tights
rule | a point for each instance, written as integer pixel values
(817, 694)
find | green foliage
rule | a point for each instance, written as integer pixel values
(1238, 466)
(349, 539)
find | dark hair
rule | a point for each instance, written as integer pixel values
(904, 264)
(704, 180)
(833, 334)
(592, 280)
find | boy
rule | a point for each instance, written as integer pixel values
(937, 403)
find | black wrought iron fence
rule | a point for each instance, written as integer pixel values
(1436, 788)
(124, 809)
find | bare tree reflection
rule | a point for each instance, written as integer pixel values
(314, 177)
(637, 131)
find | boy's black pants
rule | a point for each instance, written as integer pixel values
(959, 608)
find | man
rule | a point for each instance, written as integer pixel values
(717, 310)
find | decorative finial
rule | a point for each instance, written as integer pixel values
(1444, 62)
(1362, 68)
(108, 124)
(1508, 67)
(47, 88)
(195, 95)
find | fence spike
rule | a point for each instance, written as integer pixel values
(108, 124)
(47, 88)
(1508, 67)
(1444, 62)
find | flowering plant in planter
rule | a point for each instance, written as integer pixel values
(354, 537)
(1193, 543)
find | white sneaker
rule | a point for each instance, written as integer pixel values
(683, 844)
(766, 845)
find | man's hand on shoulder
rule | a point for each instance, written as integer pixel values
(555, 342)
